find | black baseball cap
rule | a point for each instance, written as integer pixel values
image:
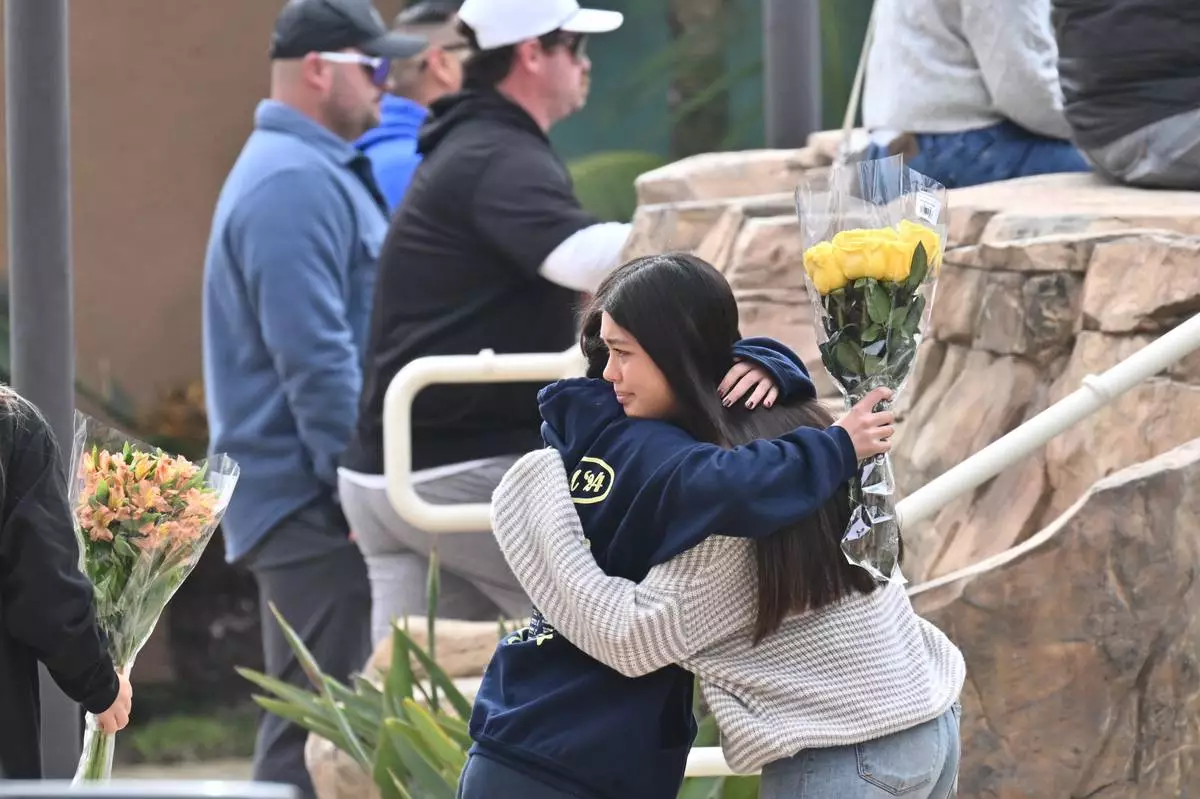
(315, 26)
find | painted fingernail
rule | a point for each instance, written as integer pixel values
(750, 404)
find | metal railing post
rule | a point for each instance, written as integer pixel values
(37, 116)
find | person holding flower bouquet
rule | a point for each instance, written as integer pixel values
(47, 608)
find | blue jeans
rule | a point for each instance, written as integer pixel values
(917, 763)
(987, 155)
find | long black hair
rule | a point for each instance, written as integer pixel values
(801, 566)
(683, 314)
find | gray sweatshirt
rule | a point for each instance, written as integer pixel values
(862, 668)
(939, 66)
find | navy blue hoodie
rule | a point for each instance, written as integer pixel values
(645, 491)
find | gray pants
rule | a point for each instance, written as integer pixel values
(1163, 155)
(476, 583)
(308, 568)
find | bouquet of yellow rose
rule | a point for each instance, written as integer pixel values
(873, 234)
(142, 518)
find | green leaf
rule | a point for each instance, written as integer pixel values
(872, 365)
(388, 770)
(102, 490)
(398, 683)
(405, 740)
(444, 748)
(121, 545)
(457, 729)
(919, 269)
(365, 716)
(912, 318)
(368, 690)
(848, 357)
(707, 733)
(438, 677)
(310, 702)
(309, 664)
(740, 788)
(400, 789)
(432, 588)
(874, 332)
(701, 788)
(293, 714)
(879, 303)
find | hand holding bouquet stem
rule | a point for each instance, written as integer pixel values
(869, 424)
(116, 717)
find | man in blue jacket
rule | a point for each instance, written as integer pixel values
(416, 83)
(288, 282)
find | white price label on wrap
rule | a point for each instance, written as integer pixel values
(928, 207)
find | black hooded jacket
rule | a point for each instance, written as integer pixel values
(458, 273)
(1126, 64)
(46, 603)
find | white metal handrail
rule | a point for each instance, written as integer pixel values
(486, 367)
(1094, 393)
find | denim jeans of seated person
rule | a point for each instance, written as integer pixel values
(918, 763)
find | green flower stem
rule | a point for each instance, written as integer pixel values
(97, 760)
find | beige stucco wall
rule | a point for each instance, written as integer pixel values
(162, 94)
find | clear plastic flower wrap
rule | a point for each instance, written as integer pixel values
(873, 235)
(143, 518)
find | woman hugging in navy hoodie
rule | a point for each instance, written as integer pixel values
(643, 441)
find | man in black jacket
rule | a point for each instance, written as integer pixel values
(47, 605)
(1130, 73)
(489, 249)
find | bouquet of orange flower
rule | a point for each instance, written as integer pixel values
(143, 518)
(873, 234)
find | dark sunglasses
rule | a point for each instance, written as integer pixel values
(378, 69)
(575, 43)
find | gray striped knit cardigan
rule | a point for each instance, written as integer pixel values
(865, 667)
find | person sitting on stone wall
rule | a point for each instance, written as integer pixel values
(416, 83)
(967, 90)
(1130, 74)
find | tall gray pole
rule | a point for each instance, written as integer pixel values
(791, 71)
(39, 265)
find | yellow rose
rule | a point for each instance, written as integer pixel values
(911, 233)
(877, 253)
(822, 267)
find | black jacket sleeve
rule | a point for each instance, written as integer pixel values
(48, 603)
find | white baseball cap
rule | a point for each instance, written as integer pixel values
(499, 23)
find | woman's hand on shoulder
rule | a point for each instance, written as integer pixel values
(749, 381)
